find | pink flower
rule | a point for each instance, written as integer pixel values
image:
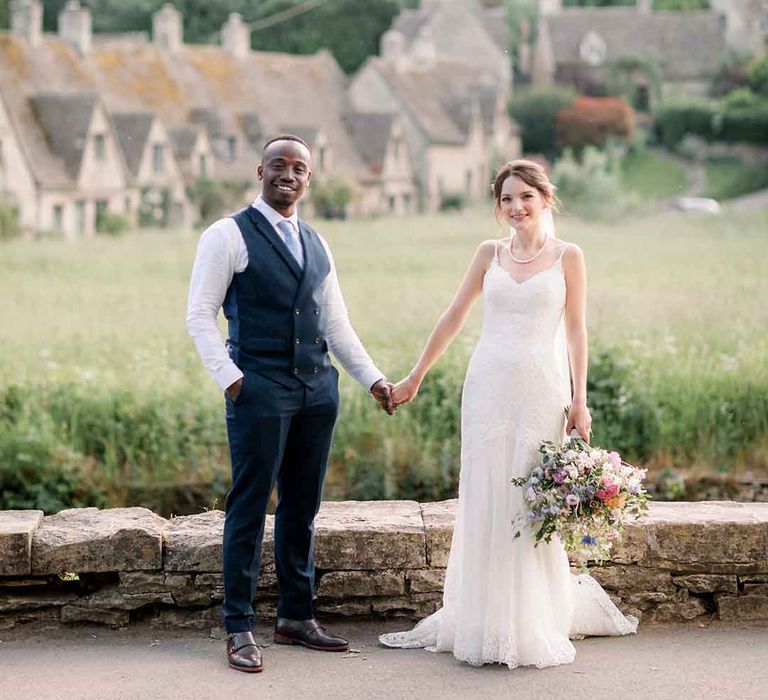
(614, 459)
(608, 491)
(572, 500)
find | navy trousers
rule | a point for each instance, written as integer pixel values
(279, 431)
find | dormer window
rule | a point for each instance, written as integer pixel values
(99, 147)
(158, 158)
(203, 165)
(322, 157)
(593, 49)
(231, 147)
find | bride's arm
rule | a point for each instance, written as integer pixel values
(575, 273)
(448, 325)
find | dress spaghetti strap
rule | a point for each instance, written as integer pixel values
(559, 260)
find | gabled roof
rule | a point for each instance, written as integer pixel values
(132, 132)
(308, 133)
(496, 23)
(440, 97)
(65, 119)
(371, 134)
(250, 123)
(686, 45)
(183, 139)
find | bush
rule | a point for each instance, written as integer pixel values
(758, 76)
(590, 186)
(536, 112)
(731, 122)
(215, 198)
(331, 198)
(9, 222)
(453, 201)
(112, 224)
(591, 121)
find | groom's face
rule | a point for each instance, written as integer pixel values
(285, 171)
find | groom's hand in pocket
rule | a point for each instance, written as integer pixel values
(234, 389)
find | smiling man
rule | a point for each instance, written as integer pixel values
(275, 279)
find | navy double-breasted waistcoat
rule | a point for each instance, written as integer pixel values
(273, 307)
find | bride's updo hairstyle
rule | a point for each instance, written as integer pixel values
(532, 174)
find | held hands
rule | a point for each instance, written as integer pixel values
(405, 390)
(382, 392)
(579, 419)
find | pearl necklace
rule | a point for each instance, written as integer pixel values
(520, 260)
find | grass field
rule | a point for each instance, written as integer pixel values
(652, 175)
(93, 344)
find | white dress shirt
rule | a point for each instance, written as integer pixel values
(221, 253)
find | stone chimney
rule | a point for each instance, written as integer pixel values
(423, 51)
(550, 7)
(167, 31)
(27, 20)
(236, 36)
(75, 26)
(392, 46)
(644, 7)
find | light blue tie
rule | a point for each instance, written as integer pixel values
(292, 241)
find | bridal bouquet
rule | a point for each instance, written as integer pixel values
(584, 495)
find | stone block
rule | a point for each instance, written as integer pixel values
(18, 582)
(360, 607)
(142, 581)
(360, 584)
(194, 543)
(707, 537)
(374, 535)
(756, 589)
(40, 599)
(113, 598)
(745, 607)
(707, 583)
(687, 609)
(16, 530)
(187, 619)
(426, 580)
(115, 618)
(91, 540)
(632, 547)
(396, 605)
(438, 524)
(632, 578)
(40, 615)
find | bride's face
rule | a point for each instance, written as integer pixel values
(521, 205)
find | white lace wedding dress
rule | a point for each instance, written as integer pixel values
(506, 601)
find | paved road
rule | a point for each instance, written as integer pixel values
(680, 662)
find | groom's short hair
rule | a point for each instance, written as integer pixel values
(286, 137)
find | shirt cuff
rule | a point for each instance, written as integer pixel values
(228, 375)
(370, 376)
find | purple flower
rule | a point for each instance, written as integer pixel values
(587, 539)
(572, 500)
(559, 476)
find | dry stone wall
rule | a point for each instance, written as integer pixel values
(379, 558)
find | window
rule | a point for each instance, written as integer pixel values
(392, 204)
(158, 158)
(80, 217)
(58, 217)
(102, 209)
(203, 166)
(127, 205)
(322, 157)
(468, 182)
(396, 148)
(407, 203)
(99, 147)
(232, 147)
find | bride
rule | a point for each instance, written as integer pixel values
(506, 601)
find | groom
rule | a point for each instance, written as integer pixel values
(275, 278)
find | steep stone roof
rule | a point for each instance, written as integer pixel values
(496, 23)
(132, 130)
(687, 45)
(65, 119)
(183, 139)
(439, 97)
(371, 134)
(131, 77)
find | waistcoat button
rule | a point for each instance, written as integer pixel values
(295, 370)
(314, 370)
(298, 311)
(297, 341)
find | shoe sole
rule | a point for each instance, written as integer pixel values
(245, 669)
(285, 639)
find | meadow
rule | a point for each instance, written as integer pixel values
(103, 399)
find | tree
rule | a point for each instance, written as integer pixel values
(350, 29)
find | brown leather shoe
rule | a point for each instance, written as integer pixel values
(242, 653)
(308, 633)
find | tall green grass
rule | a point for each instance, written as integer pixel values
(104, 400)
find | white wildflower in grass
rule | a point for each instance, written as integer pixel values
(584, 495)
